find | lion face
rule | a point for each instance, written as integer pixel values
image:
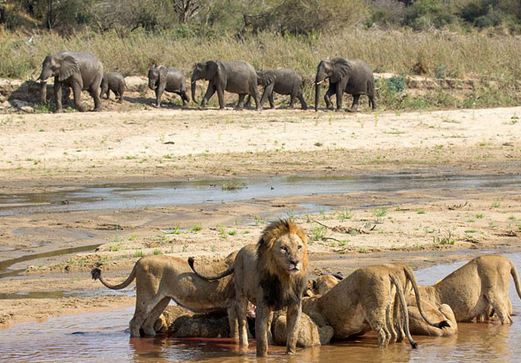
(290, 253)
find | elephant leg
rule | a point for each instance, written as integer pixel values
(356, 101)
(267, 93)
(58, 95)
(339, 95)
(291, 101)
(104, 90)
(220, 95)
(327, 96)
(272, 102)
(240, 104)
(159, 93)
(302, 102)
(148, 325)
(255, 94)
(209, 93)
(76, 91)
(120, 95)
(373, 102)
(184, 97)
(97, 100)
(247, 104)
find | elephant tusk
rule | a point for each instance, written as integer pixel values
(317, 83)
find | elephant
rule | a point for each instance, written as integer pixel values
(283, 81)
(77, 70)
(162, 78)
(351, 76)
(233, 76)
(115, 82)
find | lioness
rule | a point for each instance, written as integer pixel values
(271, 275)
(161, 278)
(363, 301)
(477, 289)
(322, 284)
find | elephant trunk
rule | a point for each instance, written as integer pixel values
(193, 84)
(317, 94)
(152, 84)
(43, 91)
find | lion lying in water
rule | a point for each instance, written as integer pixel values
(477, 289)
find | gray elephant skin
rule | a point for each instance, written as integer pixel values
(351, 76)
(77, 70)
(282, 81)
(232, 76)
(115, 82)
(162, 78)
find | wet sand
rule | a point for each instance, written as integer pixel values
(42, 154)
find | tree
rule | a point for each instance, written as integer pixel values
(185, 9)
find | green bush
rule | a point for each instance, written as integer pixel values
(424, 14)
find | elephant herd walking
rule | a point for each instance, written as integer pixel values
(81, 71)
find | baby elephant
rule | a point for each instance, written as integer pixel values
(115, 82)
(161, 78)
(283, 81)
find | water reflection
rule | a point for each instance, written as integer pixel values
(104, 336)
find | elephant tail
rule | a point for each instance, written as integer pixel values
(370, 88)
(515, 276)
(225, 273)
(403, 308)
(96, 275)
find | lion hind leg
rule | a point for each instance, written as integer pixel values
(390, 323)
(148, 325)
(241, 311)
(142, 312)
(501, 308)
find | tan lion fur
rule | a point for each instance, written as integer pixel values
(321, 285)
(161, 278)
(278, 262)
(477, 289)
(418, 326)
(361, 302)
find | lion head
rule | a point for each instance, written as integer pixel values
(282, 262)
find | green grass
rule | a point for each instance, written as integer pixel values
(138, 254)
(380, 212)
(196, 228)
(233, 185)
(420, 211)
(480, 216)
(344, 215)
(318, 233)
(495, 204)
(157, 252)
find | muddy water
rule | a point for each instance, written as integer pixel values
(198, 192)
(101, 336)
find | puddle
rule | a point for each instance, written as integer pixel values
(126, 196)
(104, 336)
(65, 293)
(4, 265)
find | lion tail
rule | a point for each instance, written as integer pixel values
(225, 273)
(515, 276)
(410, 277)
(403, 307)
(96, 275)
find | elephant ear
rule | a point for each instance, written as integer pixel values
(212, 69)
(267, 78)
(68, 66)
(341, 69)
(163, 71)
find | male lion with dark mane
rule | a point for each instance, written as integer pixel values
(271, 275)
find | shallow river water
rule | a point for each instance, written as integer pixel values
(127, 196)
(103, 336)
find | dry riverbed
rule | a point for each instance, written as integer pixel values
(43, 153)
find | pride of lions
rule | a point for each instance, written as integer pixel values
(292, 311)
